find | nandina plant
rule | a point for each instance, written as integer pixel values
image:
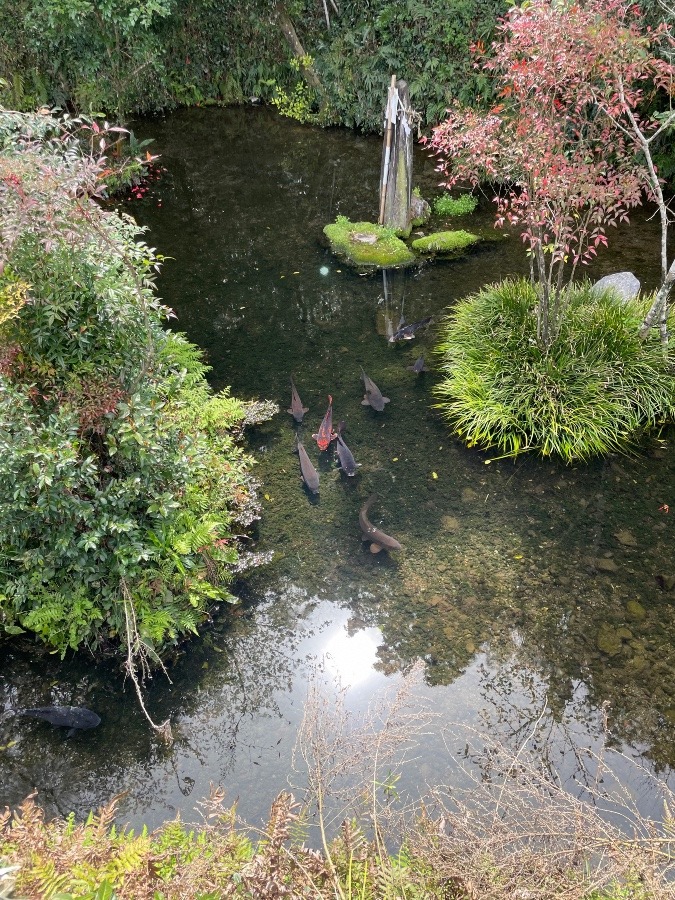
(566, 145)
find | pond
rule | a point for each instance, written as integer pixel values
(539, 596)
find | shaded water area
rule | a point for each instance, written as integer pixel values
(535, 593)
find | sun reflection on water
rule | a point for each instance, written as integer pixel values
(351, 658)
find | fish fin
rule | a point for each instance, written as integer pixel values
(305, 409)
(386, 400)
(375, 548)
(365, 402)
(366, 537)
(315, 437)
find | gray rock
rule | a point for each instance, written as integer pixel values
(420, 211)
(624, 284)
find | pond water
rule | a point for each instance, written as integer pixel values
(540, 597)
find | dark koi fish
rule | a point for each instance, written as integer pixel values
(347, 462)
(373, 396)
(407, 332)
(309, 474)
(297, 410)
(418, 366)
(378, 539)
(73, 717)
(326, 433)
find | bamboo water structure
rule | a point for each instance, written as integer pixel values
(396, 172)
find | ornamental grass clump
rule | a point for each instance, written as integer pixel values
(593, 391)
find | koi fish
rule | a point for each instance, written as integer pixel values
(418, 366)
(297, 410)
(378, 539)
(347, 462)
(309, 474)
(407, 332)
(72, 717)
(373, 396)
(326, 434)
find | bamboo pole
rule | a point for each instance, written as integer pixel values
(387, 150)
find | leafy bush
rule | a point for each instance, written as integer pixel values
(593, 392)
(119, 476)
(446, 205)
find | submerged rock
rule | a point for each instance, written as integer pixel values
(635, 612)
(624, 284)
(450, 523)
(626, 538)
(610, 640)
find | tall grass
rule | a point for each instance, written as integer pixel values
(594, 391)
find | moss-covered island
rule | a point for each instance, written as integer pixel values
(445, 243)
(365, 244)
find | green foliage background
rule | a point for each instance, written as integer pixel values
(141, 56)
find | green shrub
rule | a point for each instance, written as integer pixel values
(455, 206)
(593, 392)
(119, 474)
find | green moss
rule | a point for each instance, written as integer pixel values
(445, 242)
(354, 242)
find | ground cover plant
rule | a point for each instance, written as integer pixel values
(367, 244)
(445, 242)
(455, 206)
(592, 391)
(120, 477)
